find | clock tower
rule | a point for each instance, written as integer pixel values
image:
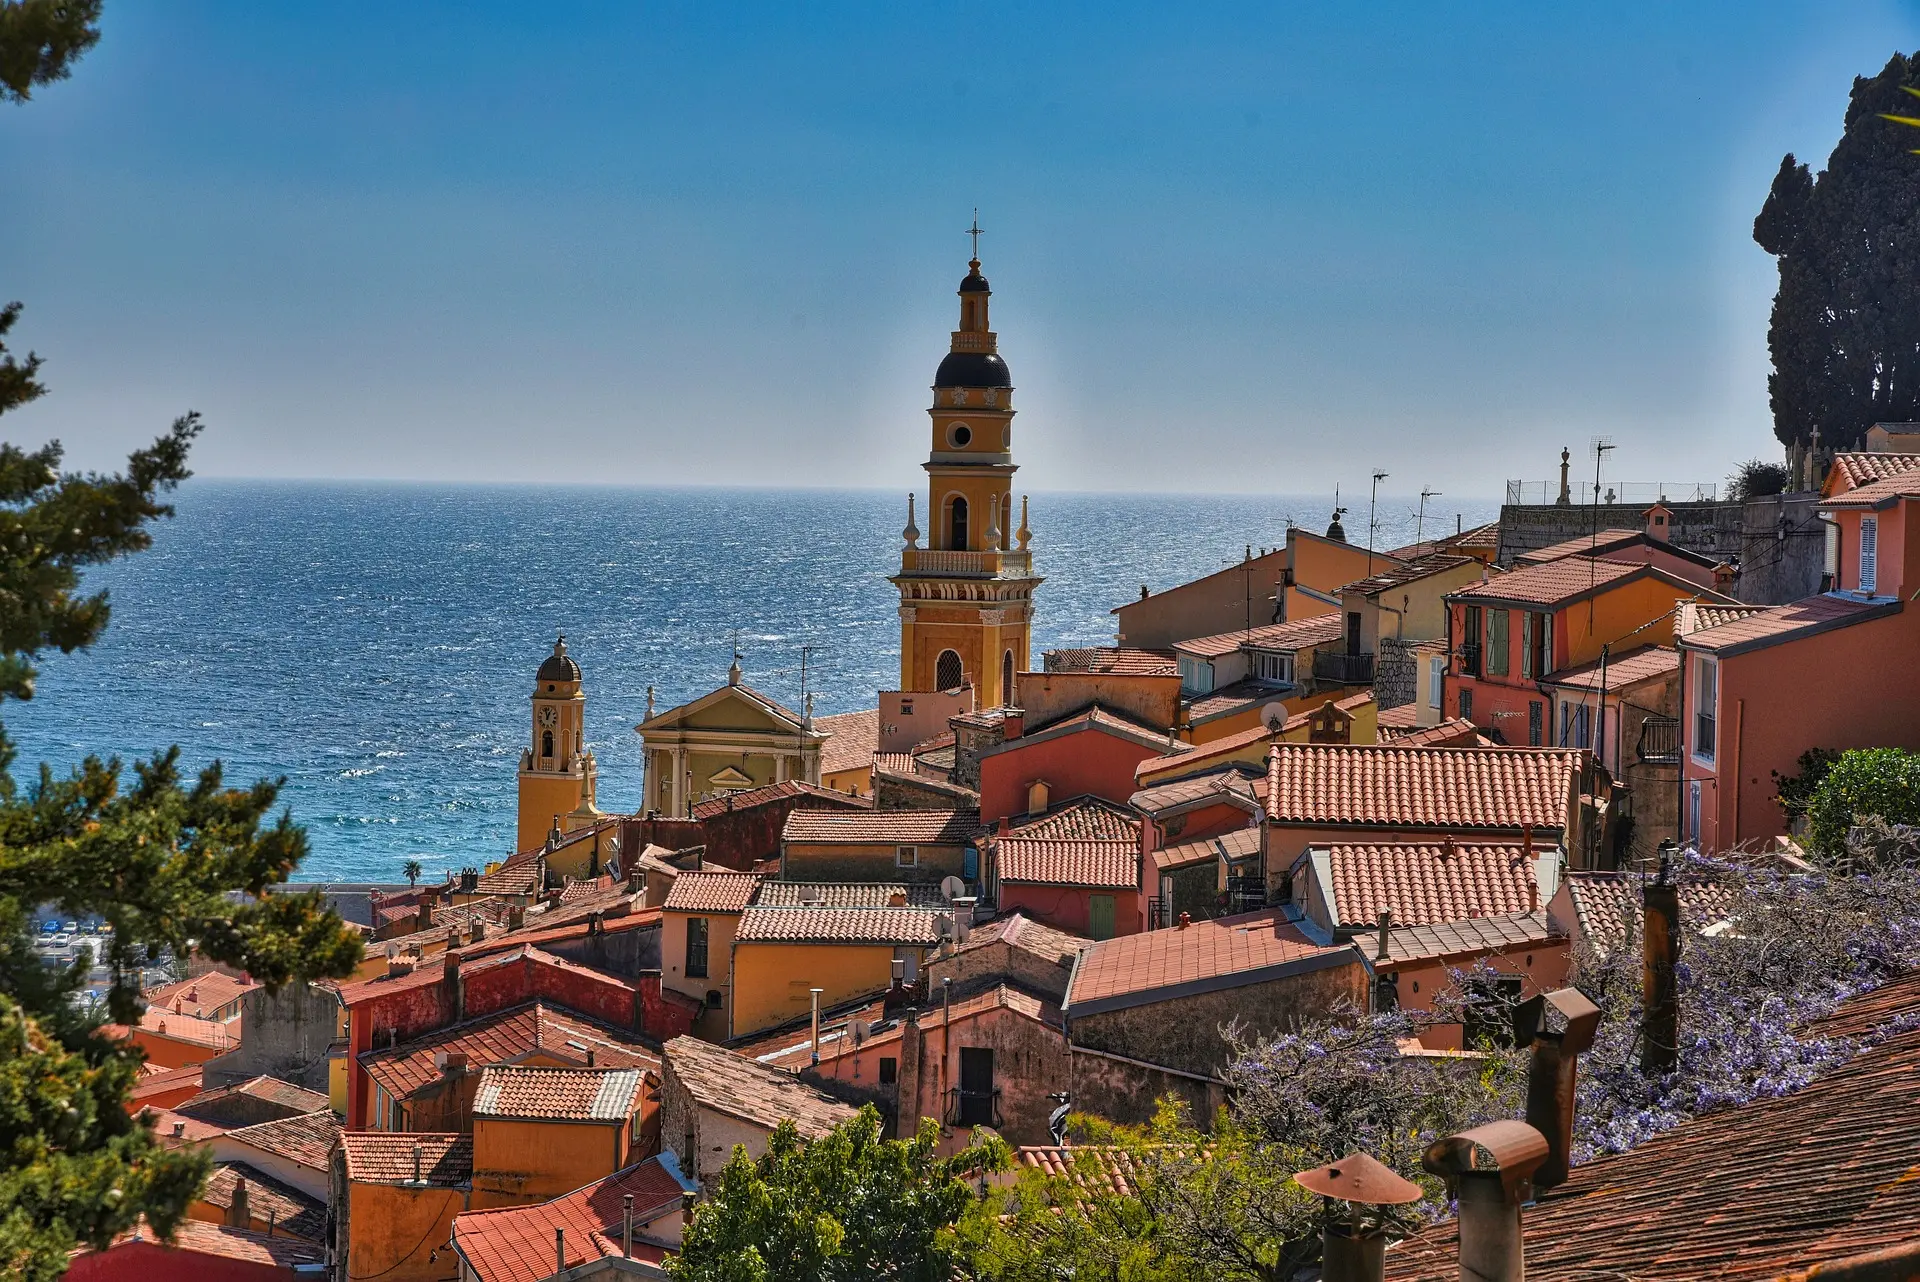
(966, 598)
(557, 772)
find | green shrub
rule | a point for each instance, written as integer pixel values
(1883, 783)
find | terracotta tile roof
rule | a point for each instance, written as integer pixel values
(1120, 661)
(1080, 818)
(502, 1038)
(1404, 717)
(509, 949)
(1604, 902)
(1427, 882)
(1884, 492)
(197, 1237)
(1412, 572)
(1390, 786)
(387, 1157)
(1091, 1166)
(1234, 846)
(493, 912)
(1017, 930)
(170, 1127)
(792, 1048)
(1297, 634)
(521, 875)
(1198, 757)
(854, 735)
(1454, 732)
(1780, 623)
(516, 1244)
(286, 1207)
(848, 894)
(1100, 865)
(1599, 544)
(307, 1139)
(1217, 787)
(1473, 937)
(727, 1083)
(200, 996)
(1854, 468)
(212, 1033)
(1697, 616)
(918, 770)
(1480, 536)
(1645, 664)
(1161, 965)
(1091, 718)
(1237, 697)
(711, 892)
(251, 1101)
(883, 827)
(558, 1094)
(899, 926)
(1572, 578)
(1760, 1191)
(770, 793)
(580, 890)
(163, 1081)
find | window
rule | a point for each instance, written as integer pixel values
(957, 528)
(546, 743)
(1869, 554)
(1196, 676)
(714, 999)
(696, 947)
(1573, 725)
(1693, 810)
(976, 1086)
(1353, 632)
(1470, 643)
(1497, 642)
(1706, 699)
(1527, 666)
(1536, 718)
(1466, 704)
(948, 674)
(1276, 667)
(1006, 679)
(1539, 634)
(907, 857)
(960, 434)
(1436, 682)
(1100, 916)
(889, 1070)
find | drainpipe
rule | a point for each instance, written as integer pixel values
(815, 1061)
(946, 1031)
(1551, 1074)
(1660, 995)
(626, 1227)
(1489, 1170)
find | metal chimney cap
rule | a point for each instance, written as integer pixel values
(1581, 1015)
(1511, 1150)
(1359, 1178)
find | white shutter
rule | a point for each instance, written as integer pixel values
(1869, 554)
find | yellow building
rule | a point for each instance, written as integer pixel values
(730, 740)
(557, 771)
(966, 599)
(698, 920)
(541, 1132)
(780, 954)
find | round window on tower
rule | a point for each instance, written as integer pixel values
(959, 435)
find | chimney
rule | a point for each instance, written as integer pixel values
(452, 1063)
(1186, 920)
(238, 1216)
(469, 881)
(1551, 1074)
(179, 1130)
(423, 915)
(1352, 1251)
(1724, 573)
(898, 899)
(1447, 847)
(559, 1250)
(453, 988)
(1660, 991)
(1381, 950)
(418, 1175)
(591, 1053)
(516, 917)
(626, 1226)
(962, 918)
(476, 930)
(1489, 1171)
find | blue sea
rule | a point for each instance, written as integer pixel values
(375, 643)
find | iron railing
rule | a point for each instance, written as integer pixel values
(1246, 894)
(974, 1108)
(1343, 668)
(1470, 658)
(1660, 741)
(1636, 493)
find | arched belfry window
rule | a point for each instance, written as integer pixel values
(947, 672)
(546, 743)
(957, 527)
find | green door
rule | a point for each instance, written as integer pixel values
(1100, 916)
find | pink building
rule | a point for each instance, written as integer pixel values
(1831, 671)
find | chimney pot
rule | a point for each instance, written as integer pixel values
(1186, 920)
(1381, 950)
(1552, 1070)
(626, 1229)
(559, 1250)
(1660, 990)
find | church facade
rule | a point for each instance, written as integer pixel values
(966, 598)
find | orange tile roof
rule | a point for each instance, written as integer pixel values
(521, 875)
(1390, 786)
(1781, 623)
(503, 950)
(727, 1083)
(1454, 732)
(558, 1094)
(1118, 660)
(259, 1097)
(1570, 579)
(1480, 536)
(1243, 843)
(307, 1139)
(164, 1081)
(200, 995)
(170, 1127)
(1604, 902)
(1620, 670)
(197, 1237)
(1412, 572)
(849, 894)
(898, 926)
(767, 794)
(1598, 544)
(792, 1048)
(502, 1038)
(1101, 1167)
(1229, 784)
(1884, 492)
(1099, 865)
(854, 735)
(711, 892)
(1081, 818)
(1853, 468)
(516, 1244)
(1017, 930)
(1759, 1191)
(387, 1157)
(1296, 634)
(1406, 716)
(1458, 940)
(1697, 616)
(1229, 952)
(1427, 882)
(212, 1033)
(287, 1208)
(1197, 757)
(883, 827)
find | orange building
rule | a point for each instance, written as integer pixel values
(394, 1198)
(542, 1132)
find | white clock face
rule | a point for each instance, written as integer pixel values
(548, 718)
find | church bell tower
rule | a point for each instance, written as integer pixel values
(557, 772)
(966, 598)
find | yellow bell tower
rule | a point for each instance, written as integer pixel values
(557, 772)
(966, 599)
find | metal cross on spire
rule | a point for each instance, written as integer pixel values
(974, 231)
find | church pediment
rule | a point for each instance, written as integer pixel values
(734, 708)
(731, 778)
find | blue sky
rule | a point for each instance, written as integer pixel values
(1260, 248)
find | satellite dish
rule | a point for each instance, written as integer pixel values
(952, 888)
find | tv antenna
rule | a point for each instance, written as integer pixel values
(1420, 522)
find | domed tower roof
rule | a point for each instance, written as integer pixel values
(972, 369)
(975, 359)
(559, 666)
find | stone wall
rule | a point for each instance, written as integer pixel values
(984, 965)
(1396, 674)
(284, 1034)
(1126, 1091)
(1782, 549)
(1710, 529)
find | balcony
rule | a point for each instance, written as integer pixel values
(984, 565)
(1343, 669)
(974, 1108)
(1659, 741)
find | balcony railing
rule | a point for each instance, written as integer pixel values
(974, 1108)
(1470, 658)
(1246, 894)
(1660, 741)
(1342, 668)
(993, 563)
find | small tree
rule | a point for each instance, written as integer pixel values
(1795, 792)
(850, 1205)
(1755, 479)
(1881, 783)
(411, 871)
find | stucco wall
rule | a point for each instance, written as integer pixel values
(515, 1162)
(1029, 1062)
(393, 1233)
(1085, 763)
(771, 981)
(1217, 603)
(876, 863)
(1069, 908)
(1129, 1092)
